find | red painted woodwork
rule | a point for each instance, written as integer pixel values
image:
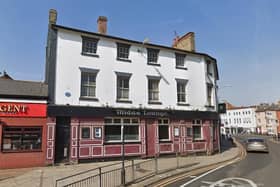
(97, 150)
(165, 147)
(113, 150)
(132, 149)
(151, 137)
(84, 151)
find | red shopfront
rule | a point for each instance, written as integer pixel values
(22, 134)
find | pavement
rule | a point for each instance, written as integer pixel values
(46, 176)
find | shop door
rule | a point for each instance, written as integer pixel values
(151, 139)
(62, 139)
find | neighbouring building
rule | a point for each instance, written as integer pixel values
(106, 90)
(23, 130)
(268, 120)
(239, 120)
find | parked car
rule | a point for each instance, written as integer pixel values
(256, 145)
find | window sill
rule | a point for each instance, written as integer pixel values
(120, 142)
(21, 151)
(90, 54)
(165, 141)
(123, 101)
(153, 64)
(199, 140)
(89, 98)
(209, 106)
(183, 104)
(123, 59)
(180, 67)
(154, 103)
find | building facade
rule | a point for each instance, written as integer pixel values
(239, 119)
(268, 121)
(110, 95)
(23, 117)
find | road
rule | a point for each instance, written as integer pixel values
(257, 169)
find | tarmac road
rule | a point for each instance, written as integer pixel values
(257, 169)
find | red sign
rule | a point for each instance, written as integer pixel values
(23, 110)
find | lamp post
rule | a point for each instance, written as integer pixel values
(123, 168)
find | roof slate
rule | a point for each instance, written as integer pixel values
(22, 89)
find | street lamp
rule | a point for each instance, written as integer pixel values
(123, 168)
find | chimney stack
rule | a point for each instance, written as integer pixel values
(186, 42)
(52, 16)
(102, 24)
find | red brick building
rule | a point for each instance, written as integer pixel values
(22, 123)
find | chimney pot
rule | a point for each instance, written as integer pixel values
(102, 24)
(52, 16)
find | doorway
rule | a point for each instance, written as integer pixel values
(62, 140)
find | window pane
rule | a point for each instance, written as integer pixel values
(163, 132)
(131, 132)
(197, 132)
(88, 84)
(22, 138)
(189, 132)
(85, 132)
(112, 132)
(89, 45)
(180, 60)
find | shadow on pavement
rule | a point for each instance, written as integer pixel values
(226, 143)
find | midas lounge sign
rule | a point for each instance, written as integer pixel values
(23, 110)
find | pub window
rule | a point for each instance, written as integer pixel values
(113, 129)
(189, 132)
(85, 132)
(197, 130)
(163, 130)
(89, 46)
(22, 139)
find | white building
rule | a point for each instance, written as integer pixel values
(238, 120)
(160, 99)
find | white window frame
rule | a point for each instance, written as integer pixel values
(122, 124)
(196, 124)
(162, 123)
(153, 91)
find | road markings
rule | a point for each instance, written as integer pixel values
(193, 176)
(204, 174)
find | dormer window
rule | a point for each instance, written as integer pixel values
(89, 46)
(153, 56)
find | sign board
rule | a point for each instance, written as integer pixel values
(143, 113)
(23, 110)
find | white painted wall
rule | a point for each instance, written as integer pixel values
(68, 75)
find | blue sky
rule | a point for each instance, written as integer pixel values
(243, 35)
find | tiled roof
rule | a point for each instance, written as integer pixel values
(23, 89)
